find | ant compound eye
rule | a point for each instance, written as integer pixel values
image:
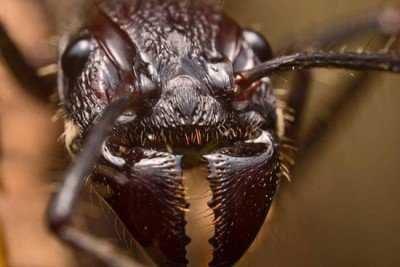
(259, 44)
(75, 57)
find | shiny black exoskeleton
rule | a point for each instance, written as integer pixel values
(190, 53)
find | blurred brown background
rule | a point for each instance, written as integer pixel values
(342, 208)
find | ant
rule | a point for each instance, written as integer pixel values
(149, 88)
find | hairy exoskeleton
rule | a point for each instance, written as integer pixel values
(149, 88)
(193, 115)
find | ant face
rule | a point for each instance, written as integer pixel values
(195, 117)
(145, 104)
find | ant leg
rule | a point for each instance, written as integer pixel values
(384, 21)
(354, 92)
(307, 60)
(39, 87)
(63, 202)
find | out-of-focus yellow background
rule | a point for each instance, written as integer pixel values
(342, 208)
